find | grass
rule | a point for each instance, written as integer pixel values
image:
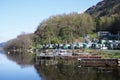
(106, 53)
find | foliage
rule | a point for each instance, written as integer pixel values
(107, 15)
(23, 41)
(64, 27)
(66, 33)
(108, 23)
(105, 8)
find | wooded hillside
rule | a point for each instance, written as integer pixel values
(107, 15)
(65, 27)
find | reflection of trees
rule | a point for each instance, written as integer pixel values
(70, 72)
(62, 72)
(21, 58)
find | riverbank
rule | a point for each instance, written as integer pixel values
(87, 58)
(82, 52)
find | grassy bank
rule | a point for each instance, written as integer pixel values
(106, 53)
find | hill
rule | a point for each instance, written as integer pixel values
(107, 15)
(105, 8)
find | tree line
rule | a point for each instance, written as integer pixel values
(21, 43)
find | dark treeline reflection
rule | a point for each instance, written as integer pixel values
(21, 58)
(62, 71)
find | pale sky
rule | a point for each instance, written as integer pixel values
(17, 16)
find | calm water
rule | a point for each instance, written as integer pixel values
(19, 67)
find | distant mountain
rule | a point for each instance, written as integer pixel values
(2, 44)
(105, 8)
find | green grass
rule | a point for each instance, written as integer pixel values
(93, 35)
(105, 53)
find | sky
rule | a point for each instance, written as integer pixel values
(18, 16)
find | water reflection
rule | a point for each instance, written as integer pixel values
(65, 70)
(21, 58)
(9, 70)
(69, 70)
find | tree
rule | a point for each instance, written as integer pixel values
(23, 41)
(66, 34)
